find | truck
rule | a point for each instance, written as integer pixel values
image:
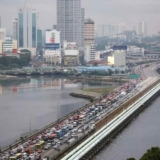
(52, 136)
(65, 129)
(59, 133)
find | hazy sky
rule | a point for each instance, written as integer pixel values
(101, 11)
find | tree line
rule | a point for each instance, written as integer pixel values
(151, 154)
(14, 62)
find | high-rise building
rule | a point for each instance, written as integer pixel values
(52, 55)
(88, 31)
(2, 34)
(15, 29)
(89, 53)
(27, 28)
(142, 29)
(102, 31)
(70, 21)
(0, 22)
(39, 39)
(122, 27)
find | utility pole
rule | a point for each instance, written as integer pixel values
(57, 110)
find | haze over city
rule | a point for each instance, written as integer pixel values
(102, 12)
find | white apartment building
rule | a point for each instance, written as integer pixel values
(118, 58)
(142, 29)
(89, 53)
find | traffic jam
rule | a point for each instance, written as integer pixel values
(67, 132)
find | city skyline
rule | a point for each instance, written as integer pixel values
(108, 12)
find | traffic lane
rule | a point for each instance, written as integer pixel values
(53, 152)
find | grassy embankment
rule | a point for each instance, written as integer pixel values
(103, 90)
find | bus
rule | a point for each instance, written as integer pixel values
(40, 145)
(17, 156)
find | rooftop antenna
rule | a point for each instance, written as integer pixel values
(25, 3)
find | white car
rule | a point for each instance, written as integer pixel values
(73, 135)
(79, 131)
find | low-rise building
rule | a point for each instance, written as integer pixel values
(118, 57)
(154, 52)
(134, 51)
(8, 46)
(89, 53)
(71, 54)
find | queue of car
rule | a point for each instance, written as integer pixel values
(74, 127)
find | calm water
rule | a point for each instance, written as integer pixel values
(33, 104)
(141, 134)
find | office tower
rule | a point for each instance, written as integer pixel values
(54, 26)
(88, 31)
(27, 28)
(15, 29)
(70, 21)
(142, 29)
(0, 21)
(2, 34)
(39, 39)
(102, 30)
(122, 28)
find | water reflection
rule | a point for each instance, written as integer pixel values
(37, 97)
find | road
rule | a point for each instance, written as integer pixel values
(109, 103)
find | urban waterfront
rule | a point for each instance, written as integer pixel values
(141, 134)
(31, 104)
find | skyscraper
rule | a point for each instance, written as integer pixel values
(142, 29)
(70, 21)
(2, 34)
(15, 29)
(39, 39)
(88, 31)
(122, 27)
(0, 21)
(27, 28)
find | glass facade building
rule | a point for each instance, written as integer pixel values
(27, 28)
(39, 39)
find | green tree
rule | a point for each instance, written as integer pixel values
(152, 154)
(14, 65)
(2, 67)
(95, 64)
(131, 159)
(122, 72)
(110, 72)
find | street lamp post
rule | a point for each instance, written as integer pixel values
(57, 110)
(30, 122)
